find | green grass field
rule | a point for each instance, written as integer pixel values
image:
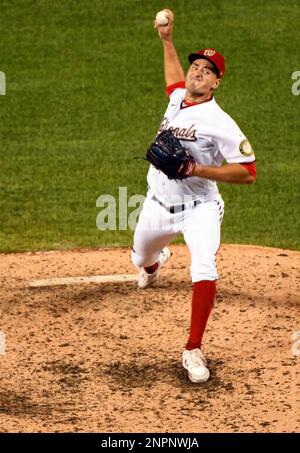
(85, 95)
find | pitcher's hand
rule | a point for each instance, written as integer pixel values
(165, 31)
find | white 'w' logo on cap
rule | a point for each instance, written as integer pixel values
(209, 52)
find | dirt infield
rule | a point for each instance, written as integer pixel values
(107, 358)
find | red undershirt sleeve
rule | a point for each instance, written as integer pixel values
(171, 88)
(251, 168)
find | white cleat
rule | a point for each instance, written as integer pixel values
(194, 361)
(145, 279)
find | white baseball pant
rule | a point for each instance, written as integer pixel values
(201, 229)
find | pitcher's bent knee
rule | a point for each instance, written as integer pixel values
(140, 260)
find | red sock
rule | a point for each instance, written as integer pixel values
(151, 269)
(202, 302)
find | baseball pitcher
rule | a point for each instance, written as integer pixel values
(195, 137)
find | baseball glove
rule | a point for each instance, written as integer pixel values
(168, 155)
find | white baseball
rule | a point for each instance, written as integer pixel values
(162, 18)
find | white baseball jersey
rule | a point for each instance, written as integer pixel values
(210, 136)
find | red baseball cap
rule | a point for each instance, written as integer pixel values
(211, 55)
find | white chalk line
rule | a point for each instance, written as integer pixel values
(79, 280)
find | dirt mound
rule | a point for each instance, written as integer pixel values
(107, 357)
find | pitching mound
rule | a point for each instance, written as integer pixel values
(105, 357)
